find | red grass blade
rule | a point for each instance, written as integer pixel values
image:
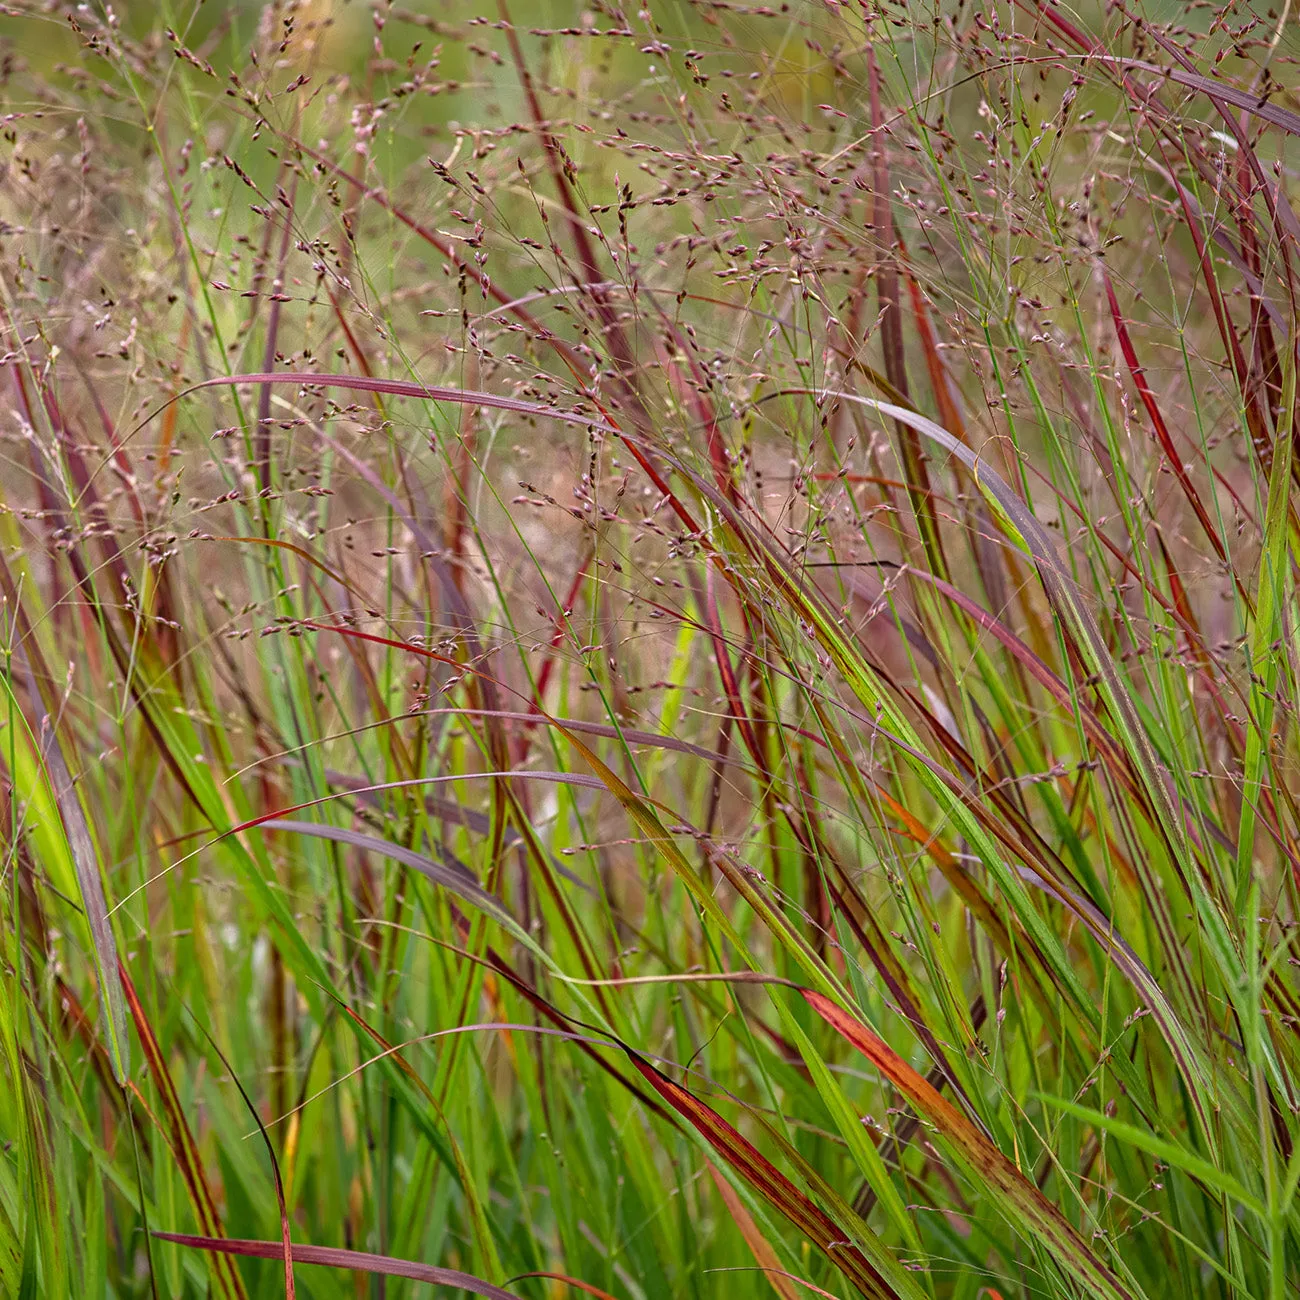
(764, 1256)
(1022, 1199)
(1158, 420)
(359, 1261)
(766, 1179)
(1255, 105)
(185, 1149)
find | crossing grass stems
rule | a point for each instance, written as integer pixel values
(649, 651)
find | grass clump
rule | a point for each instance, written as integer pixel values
(649, 651)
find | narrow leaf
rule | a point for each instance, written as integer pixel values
(359, 1261)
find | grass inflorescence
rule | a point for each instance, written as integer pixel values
(649, 650)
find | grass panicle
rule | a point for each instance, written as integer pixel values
(650, 650)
